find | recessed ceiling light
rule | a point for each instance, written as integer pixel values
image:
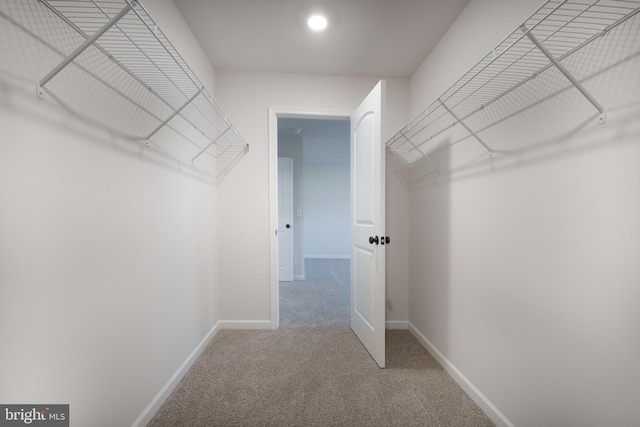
(317, 22)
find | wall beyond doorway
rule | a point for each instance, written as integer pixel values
(320, 149)
(326, 206)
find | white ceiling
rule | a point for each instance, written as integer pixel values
(376, 38)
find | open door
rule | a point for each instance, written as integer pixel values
(367, 225)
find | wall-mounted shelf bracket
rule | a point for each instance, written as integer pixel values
(211, 143)
(420, 151)
(88, 42)
(113, 65)
(175, 113)
(602, 118)
(475, 135)
(575, 40)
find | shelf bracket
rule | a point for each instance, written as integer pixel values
(88, 42)
(602, 118)
(464, 125)
(210, 144)
(420, 151)
(175, 113)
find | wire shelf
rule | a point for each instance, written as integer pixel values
(109, 58)
(541, 59)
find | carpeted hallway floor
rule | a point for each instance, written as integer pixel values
(314, 371)
(322, 299)
(315, 377)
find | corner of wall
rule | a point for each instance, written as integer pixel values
(476, 395)
(148, 413)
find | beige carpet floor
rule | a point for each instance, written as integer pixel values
(321, 299)
(319, 376)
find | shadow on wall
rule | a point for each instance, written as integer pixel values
(521, 260)
(147, 109)
(18, 97)
(538, 119)
(562, 125)
(430, 241)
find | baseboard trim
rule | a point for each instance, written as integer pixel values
(327, 257)
(155, 404)
(397, 324)
(476, 395)
(245, 324)
(298, 277)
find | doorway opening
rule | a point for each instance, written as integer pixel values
(315, 289)
(367, 217)
(313, 221)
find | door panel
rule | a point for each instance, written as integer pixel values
(364, 180)
(285, 217)
(363, 277)
(367, 220)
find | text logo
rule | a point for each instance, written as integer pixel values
(34, 415)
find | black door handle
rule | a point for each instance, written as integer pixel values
(382, 240)
(288, 225)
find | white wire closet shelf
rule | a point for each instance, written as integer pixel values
(558, 51)
(109, 57)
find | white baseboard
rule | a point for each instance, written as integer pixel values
(245, 324)
(298, 277)
(397, 324)
(476, 395)
(155, 404)
(327, 257)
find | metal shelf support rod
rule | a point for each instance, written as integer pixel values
(419, 150)
(465, 126)
(175, 113)
(210, 144)
(602, 118)
(88, 42)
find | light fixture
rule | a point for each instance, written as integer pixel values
(317, 22)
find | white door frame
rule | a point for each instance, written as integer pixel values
(274, 114)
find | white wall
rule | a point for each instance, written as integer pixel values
(524, 274)
(327, 196)
(107, 255)
(398, 228)
(326, 211)
(244, 193)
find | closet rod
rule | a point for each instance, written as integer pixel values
(91, 40)
(603, 115)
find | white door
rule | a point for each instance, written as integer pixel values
(285, 219)
(367, 225)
